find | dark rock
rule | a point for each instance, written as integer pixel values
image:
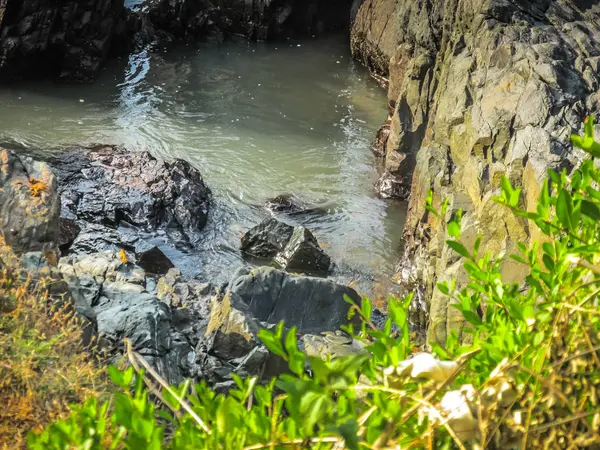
(302, 254)
(154, 261)
(69, 230)
(29, 205)
(292, 248)
(267, 239)
(286, 203)
(253, 19)
(95, 238)
(392, 186)
(69, 39)
(132, 193)
(311, 304)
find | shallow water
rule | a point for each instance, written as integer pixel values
(258, 120)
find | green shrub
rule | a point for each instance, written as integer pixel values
(529, 378)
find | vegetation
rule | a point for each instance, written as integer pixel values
(529, 378)
(43, 365)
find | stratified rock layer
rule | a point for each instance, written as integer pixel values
(480, 89)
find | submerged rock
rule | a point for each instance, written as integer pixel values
(294, 249)
(29, 205)
(108, 188)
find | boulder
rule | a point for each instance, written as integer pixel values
(294, 249)
(310, 304)
(29, 205)
(116, 196)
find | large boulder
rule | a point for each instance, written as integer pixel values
(262, 298)
(294, 249)
(119, 198)
(29, 205)
(310, 304)
(68, 38)
(480, 89)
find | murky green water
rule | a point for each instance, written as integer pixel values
(258, 120)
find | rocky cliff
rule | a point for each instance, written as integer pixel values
(60, 38)
(253, 19)
(478, 89)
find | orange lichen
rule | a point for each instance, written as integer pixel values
(123, 256)
(37, 187)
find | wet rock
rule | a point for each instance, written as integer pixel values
(294, 249)
(286, 203)
(29, 205)
(116, 196)
(392, 186)
(267, 239)
(154, 261)
(69, 39)
(302, 254)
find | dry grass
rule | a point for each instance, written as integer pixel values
(43, 364)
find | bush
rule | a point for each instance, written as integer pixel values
(43, 365)
(529, 379)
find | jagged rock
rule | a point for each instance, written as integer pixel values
(154, 261)
(124, 308)
(130, 193)
(68, 39)
(294, 249)
(267, 239)
(302, 254)
(481, 89)
(29, 205)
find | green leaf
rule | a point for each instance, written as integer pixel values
(459, 248)
(454, 229)
(590, 209)
(564, 209)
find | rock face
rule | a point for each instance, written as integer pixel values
(29, 205)
(480, 89)
(254, 19)
(116, 196)
(294, 249)
(67, 38)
